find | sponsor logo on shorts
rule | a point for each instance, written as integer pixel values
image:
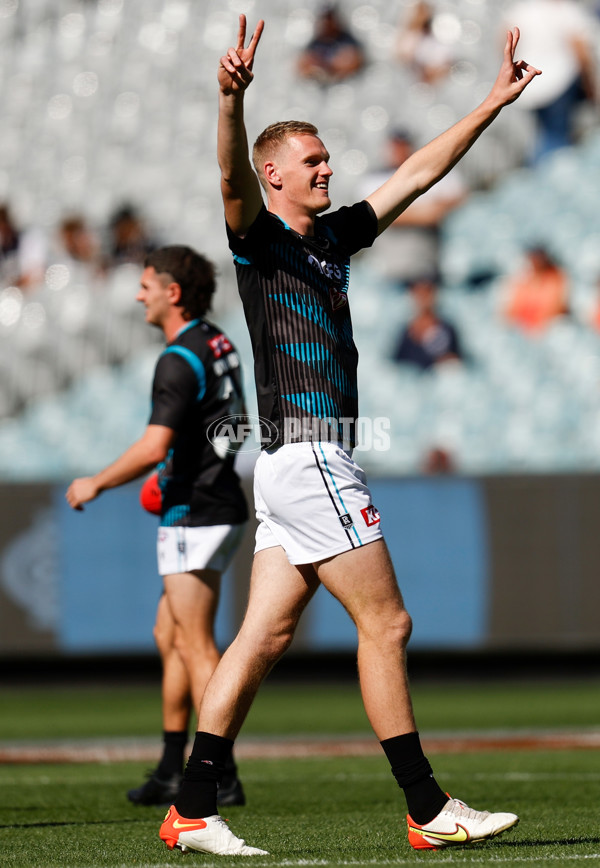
(181, 546)
(370, 515)
(346, 520)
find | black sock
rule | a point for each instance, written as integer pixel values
(230, 772)
(171, 762)
(424, 797)
(197, 796)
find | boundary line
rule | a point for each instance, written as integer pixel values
(277, 747)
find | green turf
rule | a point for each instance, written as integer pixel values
(325, 812)
(284, 709)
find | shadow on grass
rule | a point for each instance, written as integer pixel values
(56, 825)
(479, 846)
(553, 842)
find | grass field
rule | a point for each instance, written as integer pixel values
(316, 811)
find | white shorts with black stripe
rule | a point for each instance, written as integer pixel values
(313, 500)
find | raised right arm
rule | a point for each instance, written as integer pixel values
(430, 163)
(240, 187)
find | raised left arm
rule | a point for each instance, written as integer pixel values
(434, 160)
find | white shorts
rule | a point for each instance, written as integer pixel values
(184, 549)
(312, 499)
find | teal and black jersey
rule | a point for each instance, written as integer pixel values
(294, 289)
(197, 381)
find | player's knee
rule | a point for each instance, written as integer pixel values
(163, 639)
(182, 648)
(404, 627)
(276, 643)
(396, 631)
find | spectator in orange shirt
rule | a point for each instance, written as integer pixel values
(538, 293)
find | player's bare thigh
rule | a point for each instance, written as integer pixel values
(193, 600)
(364, 581)
(279, 593)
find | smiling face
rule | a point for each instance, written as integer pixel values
(299, 174)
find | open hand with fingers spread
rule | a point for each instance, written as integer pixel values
(235, 67)
(514, 76)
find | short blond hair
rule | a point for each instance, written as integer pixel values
(272, 138)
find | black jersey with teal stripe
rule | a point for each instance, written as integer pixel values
(196, 382)
(294, 289)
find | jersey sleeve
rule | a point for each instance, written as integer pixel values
(175, 389)
(354, 227)
(241, 247)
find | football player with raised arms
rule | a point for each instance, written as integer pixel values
(317, 522)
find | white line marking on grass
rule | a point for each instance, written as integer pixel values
(263, 779)
(481, 856)
(477, 776)
(485, 858)
(303, 746)
(543, 776)
(523, 776)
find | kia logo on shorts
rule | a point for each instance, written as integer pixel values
(229, 433)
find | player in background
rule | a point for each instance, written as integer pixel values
(317, 522)
(203, 511)
(163, 782)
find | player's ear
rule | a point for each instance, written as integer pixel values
(272, 174)
(174, 293)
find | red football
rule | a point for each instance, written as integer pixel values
(151, 495)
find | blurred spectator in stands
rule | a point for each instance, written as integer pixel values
(129, 240)
(79, 243)
(9, 238)
(333, 54)
(561, 35)
(427, 339)
(418, 48)
(22, 253)
(537, 293)
(437, 461)
(411, 245)
(591, 316)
